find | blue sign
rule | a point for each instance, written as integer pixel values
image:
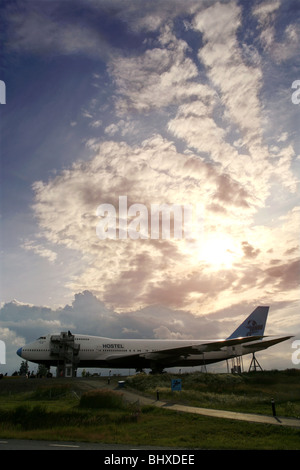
(176, 385)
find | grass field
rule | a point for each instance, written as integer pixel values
(54, 409)
(248, 393)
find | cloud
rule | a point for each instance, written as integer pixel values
(194, 124)
(10, 337)
(89, 315)
(45, 29)
(249, 251)
(149, 17)
(209, 112)
(21, 323)
(123, 127)
(160, 77)
(238, 83)
(54, 29)
(266, 10)
(286, 275)
(164, 332)
(39, 250)
(152, 173)
(267, 14)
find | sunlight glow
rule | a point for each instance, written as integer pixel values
(219, 251)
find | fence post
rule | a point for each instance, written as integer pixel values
(273, 407)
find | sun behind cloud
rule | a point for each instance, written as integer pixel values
(219, 250)
(215, 251)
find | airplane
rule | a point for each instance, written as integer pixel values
(93, 351)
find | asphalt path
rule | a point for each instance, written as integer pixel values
(250, 417)
(19, 444)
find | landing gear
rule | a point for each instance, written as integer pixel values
(156, 369)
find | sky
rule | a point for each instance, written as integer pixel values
(190, 103)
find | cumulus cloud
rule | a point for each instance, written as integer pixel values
(127, 273)
(231, 181)
(249, 251)
(40, 250)
(239, 83)
(147, 174)
(267, 14)
(89, 315)
(160, 77)
(234, 99)
(286, 275)
(266, 10)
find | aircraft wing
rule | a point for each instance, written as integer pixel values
(200, 348)
(197, 348)
(266, 343)
(217, 345)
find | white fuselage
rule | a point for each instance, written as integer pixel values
(95, 351)
(156, 354)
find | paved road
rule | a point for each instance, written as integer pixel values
(253, 418)
(18, 444)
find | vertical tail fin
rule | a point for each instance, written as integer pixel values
(254, 325)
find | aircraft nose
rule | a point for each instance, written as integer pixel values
(19, 352)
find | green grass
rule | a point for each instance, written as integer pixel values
(56, 412)
(248, 393)
(152, 426)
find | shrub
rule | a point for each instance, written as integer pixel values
(102, 399)
(27, 417)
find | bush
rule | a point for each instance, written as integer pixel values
(106, 399)
(27, 417)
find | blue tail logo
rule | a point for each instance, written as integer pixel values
(254, 325)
